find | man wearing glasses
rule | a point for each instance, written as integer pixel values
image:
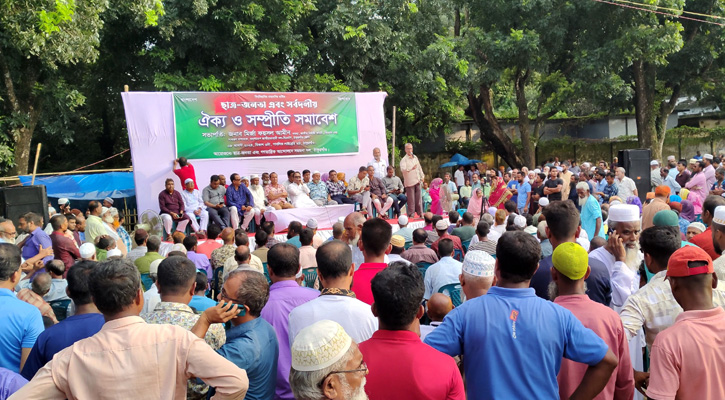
(327, 364)
(251, 342)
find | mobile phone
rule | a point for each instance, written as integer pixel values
(241, 311)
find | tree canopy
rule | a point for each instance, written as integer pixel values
(63, 63)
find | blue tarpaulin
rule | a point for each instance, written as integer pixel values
(86, 186)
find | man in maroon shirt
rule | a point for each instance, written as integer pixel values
(442, 229)
(375, 238)
(185, 171)
(171, 205)
(64, 249)
(401, 366)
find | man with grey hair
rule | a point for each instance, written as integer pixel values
(327, 364)
(245, 294)
(625, 185)
(478, 274)
(40, 287)
(591, 212)
(412, 180)
(621, 255)
(318, 191)
(58, 284)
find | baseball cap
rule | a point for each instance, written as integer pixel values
(571, 260)
(679, 263)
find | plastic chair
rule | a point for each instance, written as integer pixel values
(216, 282)
(453, 291)
(60, 308)
(422, 267)
(310, 277)
(458, 255)
(466, 244)
(146, 281)
(408, 244)
(461, 211)
(266, 273)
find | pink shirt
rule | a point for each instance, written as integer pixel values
(275, 190)
(688, 357)
(606, 323)
(129, 359)
(698, 191)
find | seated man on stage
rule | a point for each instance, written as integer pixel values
(358, 188)
(396, 190)
(257, 191)
(318, 191)
(171, 205)
(336, 189)
(239, 200)
(299, 193)
(379, 194)
(213, 196)
(276, 193)
(194, 206)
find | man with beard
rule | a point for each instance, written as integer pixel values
(621, 255)
(568, 290)
(704, 239)
(327, 364)
(353, 224)
(257, 191)
(591, 212)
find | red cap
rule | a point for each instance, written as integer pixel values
(678, 266)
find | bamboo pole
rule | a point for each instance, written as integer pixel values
(35, 166)
(392, 161)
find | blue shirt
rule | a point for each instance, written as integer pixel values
(514, 343)
(60, 336)
(318, 191)
(514, 184)
(295, 241)
(31, 248)
(589, 214)
(252, 346)
(201, 303)
(524, 189)
(20, 325)
(239, 197)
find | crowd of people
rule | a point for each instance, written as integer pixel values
(555, 282)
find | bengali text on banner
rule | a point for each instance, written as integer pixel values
(253, 124)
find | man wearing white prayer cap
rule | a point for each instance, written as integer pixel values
(257, 191)
(405, 231)
(718, 229)
(478, 274)
(318, 191)
(621, 254)
(64, 205)
(709, 170)
(327, 364)
(655, 178)
(88, 251)
(108, 202)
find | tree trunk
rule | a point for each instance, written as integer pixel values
(491, 133)
(524, 124)
(644, 104)
(666, 108)
(457, 23)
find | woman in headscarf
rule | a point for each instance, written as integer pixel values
(446, 199)
(341, 178)
(475, 205)
(435, 192)
(635, 201)
(499, 193)
(687, 215)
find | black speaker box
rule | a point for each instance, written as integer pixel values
(636, 165)
(16, 201)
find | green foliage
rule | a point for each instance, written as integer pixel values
(468, 149)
